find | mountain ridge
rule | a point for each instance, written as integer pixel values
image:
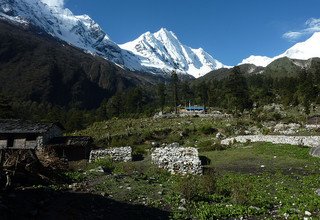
(303, 51)
(163, 49)
(83, 32)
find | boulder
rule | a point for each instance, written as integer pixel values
(315, 151)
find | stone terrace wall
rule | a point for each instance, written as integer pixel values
(309, 141)
(123, 154)
(177, 160)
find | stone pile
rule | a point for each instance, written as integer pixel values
(290, 128)
(121, 154)
(177, 160)
(309, 141)
(311, 127)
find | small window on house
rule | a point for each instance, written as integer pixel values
(31, 137)
(10, 142)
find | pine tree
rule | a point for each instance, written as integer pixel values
(6, 110)
(162, 95)
(237, 92)
(174, 83)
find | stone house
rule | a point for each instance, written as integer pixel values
(19, 134)
(71, 147)
(42, 137)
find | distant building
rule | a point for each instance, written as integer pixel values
(27, 135)
(194, 109)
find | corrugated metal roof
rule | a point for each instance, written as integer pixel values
(71, 141)
(195, 108)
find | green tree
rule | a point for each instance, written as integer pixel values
(115, 105)
(175, 83)
(6, 110)
(203, 93)
(237, 93)
(161, 91)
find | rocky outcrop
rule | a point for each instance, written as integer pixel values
(315, 151)
(121, 154)
(309, 141)
(177, 160)
(290, 128)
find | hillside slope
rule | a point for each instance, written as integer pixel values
(37, 67)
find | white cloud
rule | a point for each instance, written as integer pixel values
(292, 35)
(311, 26)
(54, 3)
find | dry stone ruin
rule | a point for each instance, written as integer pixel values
(121, 154)
(308, 141)
(177, 160)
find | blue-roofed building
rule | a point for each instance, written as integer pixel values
(194, 109)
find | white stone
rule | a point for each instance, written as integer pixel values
(123, 154)
(307, 213)
(309, 141)
(177, 160)
(318, 192)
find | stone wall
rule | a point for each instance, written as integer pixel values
(309, 141)
(121, 154)
(177, 160)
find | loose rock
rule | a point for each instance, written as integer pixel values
(177, 160)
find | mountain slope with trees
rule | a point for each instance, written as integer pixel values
(39, 68)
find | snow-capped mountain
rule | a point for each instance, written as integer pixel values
(157, 53)
(162, 51)
(80, 31)
(302, 51)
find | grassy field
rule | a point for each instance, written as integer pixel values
(260, 181)
(252, 181)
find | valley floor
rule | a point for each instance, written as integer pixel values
(241, 181)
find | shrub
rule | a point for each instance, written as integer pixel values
(210, 145)
(106, 163)
(208, 129)
(195, 187)
(188, 187)
(208, 182)
(138, 153)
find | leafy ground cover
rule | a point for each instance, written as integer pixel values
(251, 181)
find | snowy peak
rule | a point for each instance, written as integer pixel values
(163, 52)
(257, 61)
(158, 53)
(80, 31)
(305, 50)
(302, 51)
(164, 35)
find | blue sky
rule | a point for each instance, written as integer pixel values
(230, 30)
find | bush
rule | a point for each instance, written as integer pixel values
(188, 186)
(138, 153)
(209, 182)
(208, 129)
(195, 187)
(210, 145)
(106, 163)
